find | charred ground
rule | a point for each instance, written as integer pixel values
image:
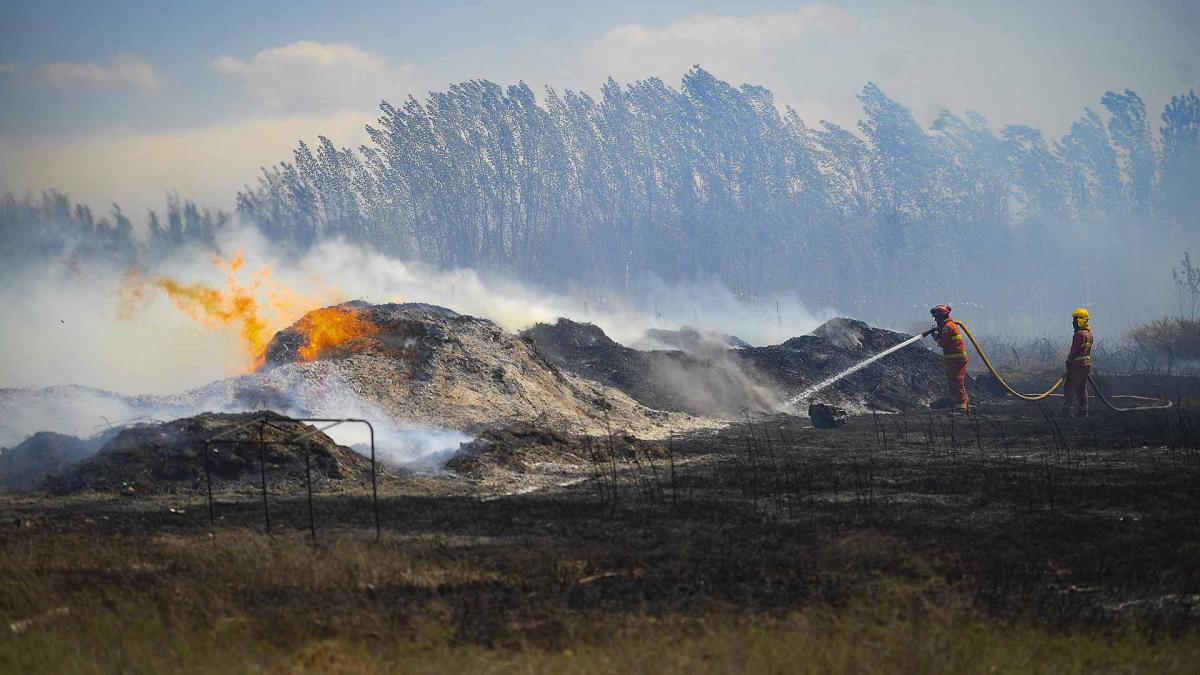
(1013, 518)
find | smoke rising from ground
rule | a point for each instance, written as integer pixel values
(85, 412)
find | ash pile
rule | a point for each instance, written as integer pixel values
(432, 366)
(25, 465)
(524, 447)
(709, 380)
(169, 458)
(910, 379)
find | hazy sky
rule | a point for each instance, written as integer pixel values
(123, 100)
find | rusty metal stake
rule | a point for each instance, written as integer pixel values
(374, 486)
(212, 520)
(312, 524)
(262, 466)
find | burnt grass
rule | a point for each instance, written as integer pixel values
(1021, 515)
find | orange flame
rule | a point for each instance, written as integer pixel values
(330, 327)
(210, 307)
(238, 305)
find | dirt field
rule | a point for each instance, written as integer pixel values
(1010, 540)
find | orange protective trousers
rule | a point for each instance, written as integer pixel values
(956, 375)
(1076, 385)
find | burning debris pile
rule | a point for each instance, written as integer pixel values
(717, 384)
(517, 447)
(430, 366)
(164, 458)
(412, 365)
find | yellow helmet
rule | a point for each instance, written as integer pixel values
(1081, 318)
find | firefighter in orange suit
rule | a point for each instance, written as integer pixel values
(1079, 363)
(954, 355)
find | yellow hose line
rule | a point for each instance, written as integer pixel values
(1159, 405)
(1050, 392)
(992, 369)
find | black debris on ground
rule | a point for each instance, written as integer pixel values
(522, 447)
(169, 457)
(25, 465)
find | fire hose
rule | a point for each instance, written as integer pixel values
(1050, 392)
(1103, 399)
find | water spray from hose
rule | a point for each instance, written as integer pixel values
(1156, 405)
(849, 371)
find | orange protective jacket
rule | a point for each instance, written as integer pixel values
(950, 339)
(1081, 348)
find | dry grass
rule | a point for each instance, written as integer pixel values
(243, 603)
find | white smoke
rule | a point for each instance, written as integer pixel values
(71, 324)
(65, 325)
(398, 443)
(652, 303)
(85, 412)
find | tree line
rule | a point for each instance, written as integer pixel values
(714, 181)
(50, 226)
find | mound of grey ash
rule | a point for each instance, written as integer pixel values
(755, 379)
(25, 465)
(524, 447)
(169, 458)
(688, 340)
(431, 365)
(717, 384)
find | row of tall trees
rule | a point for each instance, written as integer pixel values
(715, 181)
(711, 181)
(49, 226)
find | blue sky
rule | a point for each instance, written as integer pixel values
(122, 101)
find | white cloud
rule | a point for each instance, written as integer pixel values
(207, 164)
(310, 76)
(123, 71)
(730, 46)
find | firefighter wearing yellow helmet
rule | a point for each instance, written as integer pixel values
(1079, 364)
